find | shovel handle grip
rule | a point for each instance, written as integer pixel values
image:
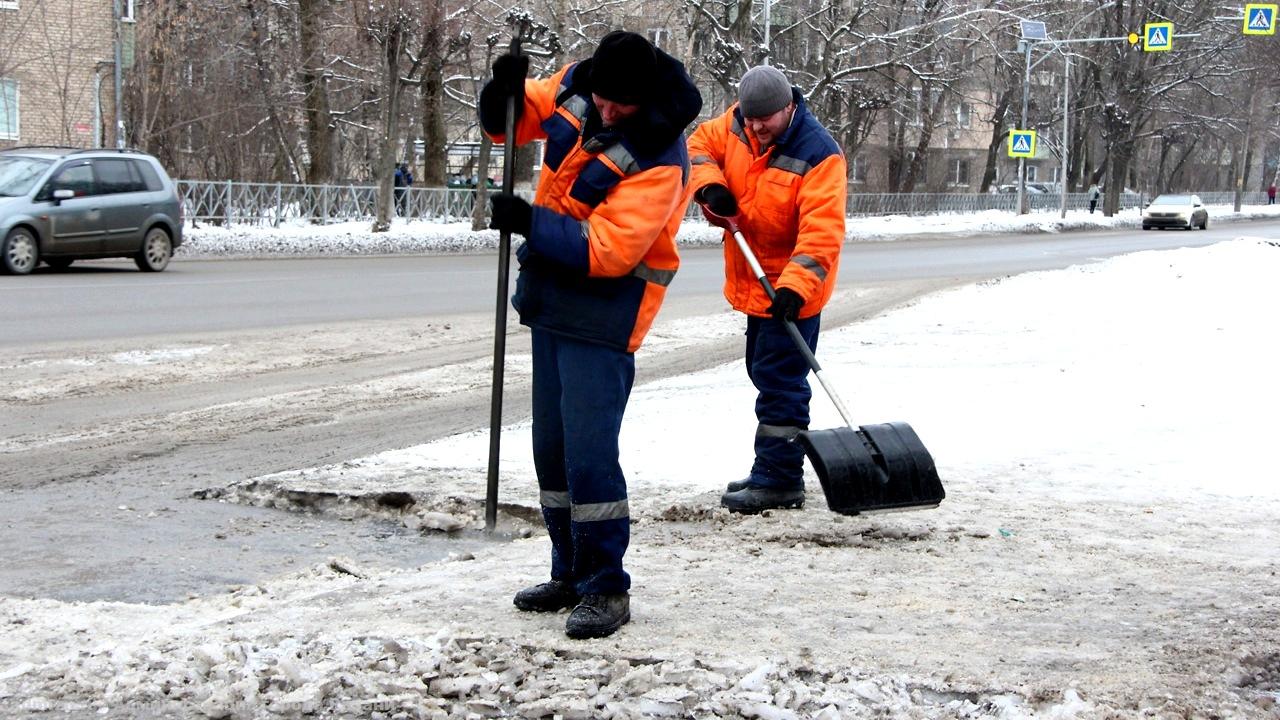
(792, 330)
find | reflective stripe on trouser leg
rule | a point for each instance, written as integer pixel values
(595, 385)
(780, 374)
(548, 455)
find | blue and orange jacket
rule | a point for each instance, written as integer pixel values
(601, 250)
(792, 200)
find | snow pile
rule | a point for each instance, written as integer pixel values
(215, 670)
(417, 237)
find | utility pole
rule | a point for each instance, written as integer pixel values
(1022, 162)
(768, 50)
(119, 60)
(1066, 134)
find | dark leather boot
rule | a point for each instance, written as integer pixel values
(737, 485)
(547, 597)
(756, 499)
(598, 616)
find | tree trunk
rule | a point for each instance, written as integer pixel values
(998, 133)
(386, 162)
(320, 131)
(264, 85)
(433, 132)
(480, 213)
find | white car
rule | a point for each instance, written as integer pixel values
(1180, 211)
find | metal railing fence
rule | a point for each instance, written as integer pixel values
(273, 203)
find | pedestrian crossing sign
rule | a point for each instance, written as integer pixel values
(1157, 37)
(1259, 19)
(1022, 143)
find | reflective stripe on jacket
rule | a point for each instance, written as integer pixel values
(792, 200)
(602, 249)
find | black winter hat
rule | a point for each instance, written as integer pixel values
(623, 68)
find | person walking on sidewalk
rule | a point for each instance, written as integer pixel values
(1271, 194)
(402, 181)
(769, 161)
(598, 255)
(1095, 192)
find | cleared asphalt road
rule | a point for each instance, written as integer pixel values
(111, 299)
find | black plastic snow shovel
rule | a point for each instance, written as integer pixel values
(875, 468)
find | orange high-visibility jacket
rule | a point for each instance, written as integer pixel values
(601, 250)
(792, 200)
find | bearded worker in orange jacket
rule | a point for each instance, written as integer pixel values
(769, 161)
(598, 255)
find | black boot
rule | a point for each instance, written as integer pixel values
(598, 616)
(547, 597)
(755, 499)
(737, 485)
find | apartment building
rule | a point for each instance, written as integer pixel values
(56, 71)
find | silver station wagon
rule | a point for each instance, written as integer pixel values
(59, 205)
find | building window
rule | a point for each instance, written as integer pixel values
(858, 169)
(8, 109)
(659, 37)
(126, 10)
(958, 173)
(964, 114)
(1031, 173)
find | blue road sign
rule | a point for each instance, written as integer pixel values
(1157, 37)
(1022, 143)
(1259, 19)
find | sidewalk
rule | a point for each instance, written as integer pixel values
(1108, 547)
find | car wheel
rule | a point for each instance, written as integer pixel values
(1204, 224)
(157, 249)
(59, 263)
(19, 252)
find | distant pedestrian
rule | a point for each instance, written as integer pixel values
(1095, 192)
(1271, 194)
(403, 180)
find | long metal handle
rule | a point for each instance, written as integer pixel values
(792, 330)
(500, 319)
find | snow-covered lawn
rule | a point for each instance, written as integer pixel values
(1108, 546)
(355, 238)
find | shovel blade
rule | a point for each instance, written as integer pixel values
(875, 468)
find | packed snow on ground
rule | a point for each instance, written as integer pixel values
(1107, 548)
(420, 236)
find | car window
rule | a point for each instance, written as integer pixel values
(1172, 200)
(116, 176)
(19, 174)
(150, 178)
(78, 178)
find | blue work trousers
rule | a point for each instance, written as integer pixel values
(780, 374)
(580, 393)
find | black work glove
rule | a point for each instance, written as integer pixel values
(511, 213)
(786, 305)
(718, 199)
(509, 72)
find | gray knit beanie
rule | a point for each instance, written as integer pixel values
(763, 91)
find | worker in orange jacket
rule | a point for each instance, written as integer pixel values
(598, 255)
(769, 161)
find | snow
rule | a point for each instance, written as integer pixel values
(1107, 548)
(355, 238)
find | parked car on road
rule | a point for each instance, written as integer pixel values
(1180, 211)
(59, 205)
